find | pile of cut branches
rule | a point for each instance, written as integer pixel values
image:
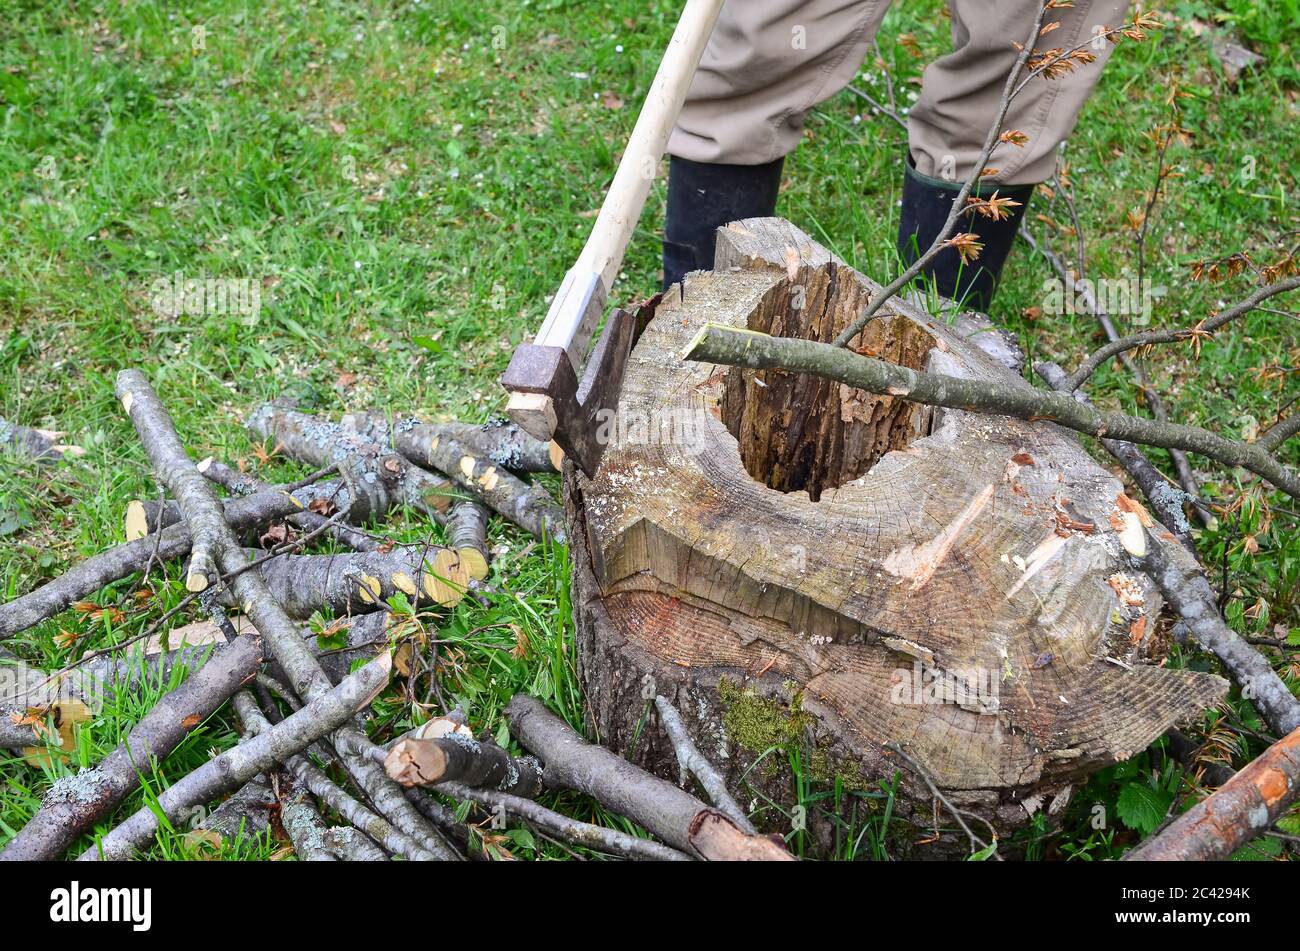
(306, 754)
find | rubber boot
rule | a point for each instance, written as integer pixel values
(926, 202)
(701, 198)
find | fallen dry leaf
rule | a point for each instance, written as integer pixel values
(276, 534)
(322, 507)
(402, 659)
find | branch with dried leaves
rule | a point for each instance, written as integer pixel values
(1196, 334)
(333, 497)
(1085, 295)
(1052, 64)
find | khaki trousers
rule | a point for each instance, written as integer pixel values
(770, 61)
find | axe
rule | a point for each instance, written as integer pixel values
(547, 398)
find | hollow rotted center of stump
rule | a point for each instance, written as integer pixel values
(803, 433)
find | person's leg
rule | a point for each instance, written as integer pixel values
(767, 63)
(947, 127)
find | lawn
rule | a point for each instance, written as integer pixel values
(404, 185)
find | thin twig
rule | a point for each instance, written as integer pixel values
(977, 843)
(1204, 328)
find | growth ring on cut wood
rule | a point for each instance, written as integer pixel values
(943, 580)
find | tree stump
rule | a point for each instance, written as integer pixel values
(814, 574)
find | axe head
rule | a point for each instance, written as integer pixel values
(549, 402)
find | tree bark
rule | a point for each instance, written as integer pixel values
(503, 443)
(176, 471)
(302, 820)
(13, 735)
(247, 813)
(326, 712)
(528, 506)
(378, 479)
(661, 808)
(76, 803)
(1242, 808)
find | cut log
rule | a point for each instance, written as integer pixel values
(357, 582)
(43, 445)
(800, 564)
(528, 506)
(378, 479)
(458, 757)
(467, 532)
(505, 444)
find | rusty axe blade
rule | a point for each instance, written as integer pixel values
(546, 397)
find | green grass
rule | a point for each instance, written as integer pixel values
(407, 183)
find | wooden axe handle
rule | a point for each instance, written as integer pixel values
(580, 300)
(627, 193)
